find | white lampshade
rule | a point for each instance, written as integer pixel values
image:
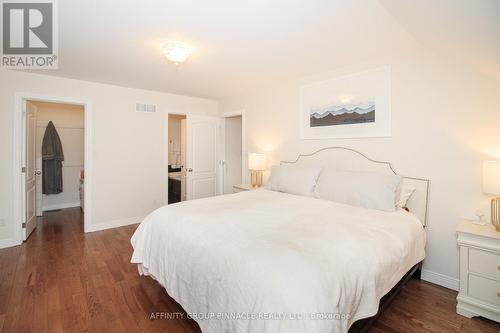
(491, 177)
(256, 162)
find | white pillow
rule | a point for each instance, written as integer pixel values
(293, 179)
(404, 195)
(363, 189)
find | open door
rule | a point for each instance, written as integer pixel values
(39, 183)
(29, 177)
(202, 156)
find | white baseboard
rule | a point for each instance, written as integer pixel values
(114, 224)
(440, 279)
(61, 206)
(9, 242)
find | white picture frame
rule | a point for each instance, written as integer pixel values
(351, 106)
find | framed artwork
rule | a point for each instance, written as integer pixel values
(352, 106)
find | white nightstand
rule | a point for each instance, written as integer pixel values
(479, 293)
(243, 187)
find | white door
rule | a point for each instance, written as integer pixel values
(202, 156)
(29, 179)
(38, 173)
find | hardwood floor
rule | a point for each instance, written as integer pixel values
(62, 280)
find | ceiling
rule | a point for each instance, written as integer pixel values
(240, 45)
(465, 29)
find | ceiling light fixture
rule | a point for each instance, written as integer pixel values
(176, 52)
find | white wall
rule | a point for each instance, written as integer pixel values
(129, 149)
(233, 153)
(69, 121)
(444, 123)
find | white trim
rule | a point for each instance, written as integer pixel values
(61, 206)
(440, 279)
(19, 100)
(9, 242)
(87, 188)
(116, 223)
(17, 152)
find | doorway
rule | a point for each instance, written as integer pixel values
(51, 179)
(176, 158)
(194, 157)
(69, 121)
(233, 146)
(233, 151)
(54, 159)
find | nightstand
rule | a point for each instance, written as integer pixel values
(243, 187)
(479, 293)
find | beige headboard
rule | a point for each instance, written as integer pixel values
(344, 158)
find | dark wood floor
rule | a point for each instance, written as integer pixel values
(62, 280)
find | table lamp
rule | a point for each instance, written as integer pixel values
(491, 185)
(256, 165)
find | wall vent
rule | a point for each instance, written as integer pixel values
(141, 107)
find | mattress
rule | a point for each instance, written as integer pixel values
(264, 261)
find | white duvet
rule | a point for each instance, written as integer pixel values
(264, 261)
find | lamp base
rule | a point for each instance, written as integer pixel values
(495, 213)
(256, 178)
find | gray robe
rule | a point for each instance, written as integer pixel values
(52, 158)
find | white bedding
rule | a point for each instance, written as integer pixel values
(276, 255)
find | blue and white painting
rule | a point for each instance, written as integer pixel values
(343, 114)
(356, 105)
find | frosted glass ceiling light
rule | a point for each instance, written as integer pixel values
(176, 52)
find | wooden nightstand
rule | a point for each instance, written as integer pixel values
(243, 187)
(479, 293)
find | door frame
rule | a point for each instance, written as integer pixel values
(243, 141)
(20, 99)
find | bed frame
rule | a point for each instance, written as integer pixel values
(363, 325)
(344, 158)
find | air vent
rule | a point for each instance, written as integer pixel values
(149, 108)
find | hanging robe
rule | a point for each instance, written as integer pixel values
(52, 158)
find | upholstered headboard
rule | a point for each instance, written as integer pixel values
(344, 158)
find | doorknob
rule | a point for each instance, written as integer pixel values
(189, 170)
(38, 173)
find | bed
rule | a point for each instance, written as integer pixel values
(267, 261)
